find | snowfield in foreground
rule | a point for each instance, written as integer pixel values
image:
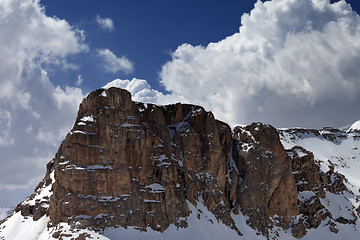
(201, 226)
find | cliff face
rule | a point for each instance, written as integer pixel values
(267, 180)
(134, 164)
(137, 164)
(151, 160)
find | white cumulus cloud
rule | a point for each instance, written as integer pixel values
(113, 64)
(79, 80)
(141, 91)
(5, 126)
(291, 63)
(105, 23)
(30, 104)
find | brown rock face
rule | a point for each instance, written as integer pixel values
(268, 182)
(136, 164)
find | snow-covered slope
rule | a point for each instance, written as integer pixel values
(331, 148)
(339, 152)
(202, 225)
(21, 227)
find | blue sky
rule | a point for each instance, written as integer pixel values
(145, 32)
(284, 62)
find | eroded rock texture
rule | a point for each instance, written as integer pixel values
(135, 164)
(313, 187)
(268, 182)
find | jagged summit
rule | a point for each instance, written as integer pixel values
(174, 171)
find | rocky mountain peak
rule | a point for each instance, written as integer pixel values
(127, 164)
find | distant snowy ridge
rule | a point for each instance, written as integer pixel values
(354, 127)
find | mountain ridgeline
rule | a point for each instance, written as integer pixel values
(134, 165)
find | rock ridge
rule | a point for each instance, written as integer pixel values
(127, 163)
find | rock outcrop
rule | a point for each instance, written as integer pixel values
(267, 176)
(135, 164)
(316, 188)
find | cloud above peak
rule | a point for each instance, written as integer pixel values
(113, 64)
(105, 23)
(142, 91)
(292, 63)
(290, 59)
